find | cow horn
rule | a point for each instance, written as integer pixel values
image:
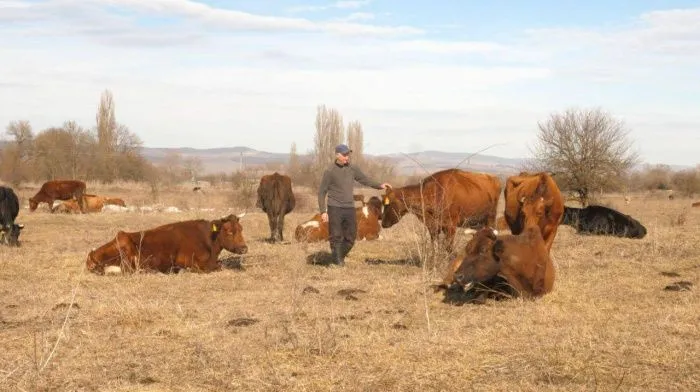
(21, 226)
(467, 286)
(241, 215)
(522, 199)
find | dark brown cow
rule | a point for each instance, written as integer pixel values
(527, 188)
(367, 218)
(58, 190)
(447, 199)
(275, 197)
(696, 204)
(193, 244)
(522, 260)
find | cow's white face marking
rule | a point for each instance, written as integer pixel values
(365, 211)
(311, 223)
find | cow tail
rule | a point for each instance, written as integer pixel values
(277, 200)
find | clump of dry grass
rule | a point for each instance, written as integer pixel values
(274, 321)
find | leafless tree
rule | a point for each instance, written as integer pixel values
(588, 149)
(355, 141)
(16, 155)
(294, 164)
(329, 133)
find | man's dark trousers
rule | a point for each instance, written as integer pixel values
(342, 229)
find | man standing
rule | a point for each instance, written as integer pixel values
(337, 183)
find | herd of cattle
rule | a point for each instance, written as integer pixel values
(445, 201)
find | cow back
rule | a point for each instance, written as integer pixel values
(275, 195)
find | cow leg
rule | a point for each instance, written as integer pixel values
(273, 227)
(280, 227)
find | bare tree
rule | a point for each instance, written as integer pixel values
(355, 141)
(294, 163)
(588, 149)
(329, 133)
(16, 156)
(193, 167)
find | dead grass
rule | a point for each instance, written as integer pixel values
(275, 322)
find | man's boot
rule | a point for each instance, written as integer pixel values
(339, 254)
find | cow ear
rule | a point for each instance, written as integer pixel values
(498, 249)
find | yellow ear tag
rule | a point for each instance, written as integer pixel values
(213, 228)
(386, 201)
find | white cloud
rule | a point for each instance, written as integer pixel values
(338, 5)
(217, 77)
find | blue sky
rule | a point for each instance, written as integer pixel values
(452, 76)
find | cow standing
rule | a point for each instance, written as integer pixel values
(525, 189)
(275, 197)
(445, 200)
(193, 244)
(9, 209)
(601, 220)
(59, 190)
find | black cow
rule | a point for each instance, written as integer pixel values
(600, 220)
(275, 197)
(9, 208)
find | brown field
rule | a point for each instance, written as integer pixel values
(272, 321)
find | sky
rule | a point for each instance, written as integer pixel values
(454, 76)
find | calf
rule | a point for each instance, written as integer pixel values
(9, 209)
(367, 218)
(91, 203)
(194, 244)
(600, 220)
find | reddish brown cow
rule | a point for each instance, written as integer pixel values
(58, 190)
(527, 188)
(275, 197)
(193, 244)
(445, 200)
(522, 260)
(367, 218)
(696, 204)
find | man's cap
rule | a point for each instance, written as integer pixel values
(342, 149)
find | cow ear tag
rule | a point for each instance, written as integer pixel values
(386, 201)
(213, 228)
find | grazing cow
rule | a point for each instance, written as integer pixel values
(275, 197)
(527, 188)
(193, 244)
(91, 203)
(9, 209)
(696, 204)
(521, 260)
(600, 220)
(58, 190)
(367, 218)
(445, 200)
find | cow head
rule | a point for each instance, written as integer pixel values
(374, 204)
(533, 210)
(394, 208)
(33, 204)
(228, 233)
(480, 261)
(9, 234)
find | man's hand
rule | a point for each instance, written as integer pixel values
(324, 217)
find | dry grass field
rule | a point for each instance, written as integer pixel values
(274, 321)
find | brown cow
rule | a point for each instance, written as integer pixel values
(527, 188)
(92, 203)
(58, 190)
(696, 204)
(193, 244)
(275, 197)
(367, 218)
(522, 260)
(445, 200)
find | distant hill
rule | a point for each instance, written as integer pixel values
(229, 159)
